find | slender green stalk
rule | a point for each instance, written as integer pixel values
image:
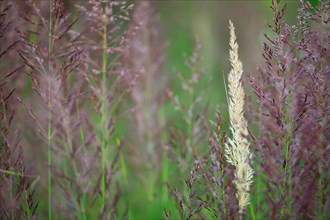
(252, 212)
(82, 137)
(165, 172)
(103, 111)
(15, 173)
(11, 172)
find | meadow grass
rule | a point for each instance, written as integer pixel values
(101, 130)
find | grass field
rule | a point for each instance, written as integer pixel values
(164, 109)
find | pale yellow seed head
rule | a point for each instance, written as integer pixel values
(237, 150)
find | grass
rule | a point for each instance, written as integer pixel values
(237, 150)
(129, 124)
(104, 112)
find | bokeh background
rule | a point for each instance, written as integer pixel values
(181, 21)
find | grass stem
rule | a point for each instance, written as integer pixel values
(103, 111)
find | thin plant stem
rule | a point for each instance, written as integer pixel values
(49, 156)
(82, 137)
(16, 173)
(252, 211)
(103, 117)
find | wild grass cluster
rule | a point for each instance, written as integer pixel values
(92, 127)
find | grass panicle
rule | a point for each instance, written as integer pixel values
(143, 62)
(17, 192)
(238, 148)
(103, 43)
(95, 124)
(288, 90)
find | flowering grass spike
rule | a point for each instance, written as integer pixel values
(237, 148)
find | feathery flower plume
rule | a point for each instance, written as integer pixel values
(237, 148)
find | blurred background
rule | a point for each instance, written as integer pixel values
(181, 21)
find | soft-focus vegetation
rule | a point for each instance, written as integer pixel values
(150, 110)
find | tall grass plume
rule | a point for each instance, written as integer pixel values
(237, 149)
